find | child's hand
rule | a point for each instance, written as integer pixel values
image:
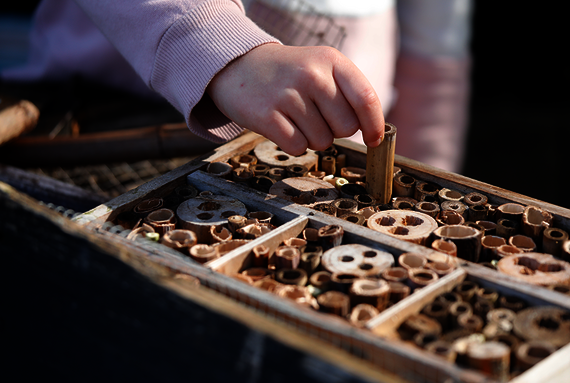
(298, 97)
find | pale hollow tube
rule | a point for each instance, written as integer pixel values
(535, 221)
(458, 207)
(344, 206)
(328, 165)
(203, 253)
(477, 213)
(287, 257)
(334, 302)
(179, 239)
(418, 278)
(506, 228)
(511, 211)
(522, 242)
(261, 216)
(243, 160)
(236, 222)
(372, 292)
(395, 274)
(492, 358)
(353, 174)
(449, 217)
(403, 185)
(429, 208)
(439, 311)
(412, 261)
(467, 240)
(489, 246)
(220, 234)
(260, 256)
(440, 268)
(442, 349)
(296, 277)
(321, 280)
(295, 242)
(506, 250)
(260, 169)
(474, 198)
(552, 240)
(446, 194)
(490, 227)
(220, 169)
(380, 166)
(424, 188)
(242, 174)
(362, 313)
(444, 246)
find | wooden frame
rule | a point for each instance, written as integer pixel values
(384, 354)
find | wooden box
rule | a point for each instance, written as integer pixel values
(375, 343)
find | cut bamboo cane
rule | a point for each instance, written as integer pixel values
(380, 166)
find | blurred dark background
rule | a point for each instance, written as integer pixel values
(517, 132)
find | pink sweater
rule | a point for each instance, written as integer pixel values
(175, 46)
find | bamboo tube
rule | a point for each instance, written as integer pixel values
(16, 119)
(380, 166)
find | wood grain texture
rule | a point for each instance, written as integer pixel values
(380, 166)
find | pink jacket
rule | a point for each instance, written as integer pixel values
(175, 46)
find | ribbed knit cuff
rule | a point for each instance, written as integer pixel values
(192, 52)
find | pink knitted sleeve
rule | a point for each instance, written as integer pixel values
(178, 46)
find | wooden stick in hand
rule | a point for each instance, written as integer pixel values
(380, 166)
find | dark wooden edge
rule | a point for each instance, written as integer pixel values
(157, 141)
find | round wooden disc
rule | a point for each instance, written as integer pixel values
(304, 190)
(269, 153)
(544, 323)
(536, 268)
(410, 226)
(356, 260)
(214, 210)
(200, 213)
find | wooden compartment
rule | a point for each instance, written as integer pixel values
(375, 344)
(552, 368)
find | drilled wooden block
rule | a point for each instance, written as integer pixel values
(270, 154)
(357, 260)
